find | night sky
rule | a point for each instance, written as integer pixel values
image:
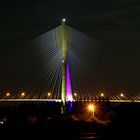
(114, 24)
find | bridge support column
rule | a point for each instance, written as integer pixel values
(64, 57)
(66, 92)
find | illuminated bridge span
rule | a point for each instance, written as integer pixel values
(101, 98)
(59, 67)
(59, 100)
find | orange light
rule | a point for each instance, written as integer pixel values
(91, 107)
(122, 95)
(49, 94)
(23, 94)
(102, 94)
(7, 94)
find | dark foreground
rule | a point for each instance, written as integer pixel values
(111, 121)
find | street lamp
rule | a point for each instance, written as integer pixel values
(121, 94)
(91, 108)
(75, 96)
(7, 94)
(49, 94)
(102, 94)
(22, 94)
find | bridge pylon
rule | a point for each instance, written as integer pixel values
(64, 47)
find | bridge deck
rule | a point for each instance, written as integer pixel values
(59, 100)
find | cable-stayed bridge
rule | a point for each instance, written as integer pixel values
(59, 68)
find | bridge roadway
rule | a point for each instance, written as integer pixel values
(59, 100)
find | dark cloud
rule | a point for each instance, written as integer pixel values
(21, 20)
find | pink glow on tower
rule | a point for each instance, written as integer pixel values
(68, 85)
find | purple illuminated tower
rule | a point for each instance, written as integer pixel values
(68, 85)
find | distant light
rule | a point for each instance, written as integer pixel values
(7, 94)
(1, 122)
(122, 95)
(75, 94)
(49, 94)
(102, 94)
(22, 94)
(64, 20)
(63, 61)
(91, 107)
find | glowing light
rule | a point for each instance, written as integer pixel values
(63, 61)
(91, 107)
(7, 94)
(64, 20)
(68, 85)
(1, 122)
(49, 94)
(122, 95)
(102, 94)
(75, 94)
(22, 94)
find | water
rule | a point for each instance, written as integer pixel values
(88, 135)
(67, 129)
(36, 120)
